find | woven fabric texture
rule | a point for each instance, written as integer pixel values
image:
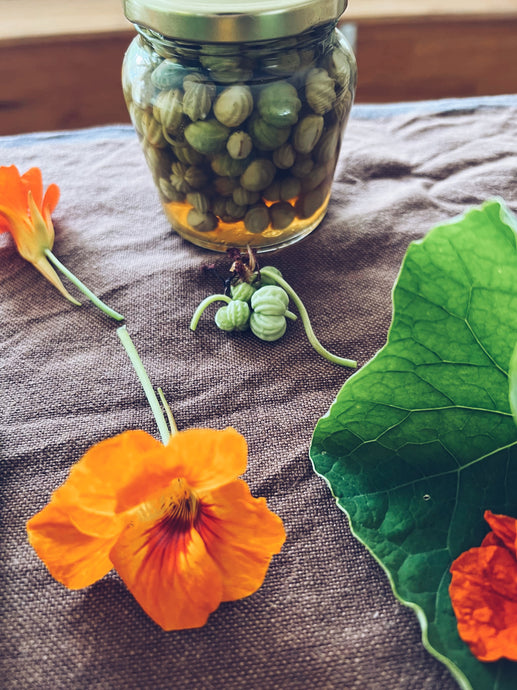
(325, 616)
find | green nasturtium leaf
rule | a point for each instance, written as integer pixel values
(421, 440)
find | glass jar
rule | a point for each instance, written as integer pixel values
(240, 112)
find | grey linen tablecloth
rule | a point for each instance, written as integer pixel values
(325, 616)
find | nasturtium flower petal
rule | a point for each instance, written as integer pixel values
(505, 528)
(208, 458)
(182, 531)
(92, 491)
(166, 566)
(241, 535)
(483, 592)
(73, 558)
(25, 213)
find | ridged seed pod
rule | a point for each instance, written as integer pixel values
(168, 75)
(258, 175)
(168, 109)
(207, 136)
(320, 91)
(265, 136)
(202, 222)
(198, 96)
(234, 105)
(307, 133)
(278, 104)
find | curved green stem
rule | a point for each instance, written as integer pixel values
(170, 417)
(133, 355)
(82, 287)
(306, 322)
(203, 305)
(289, 315)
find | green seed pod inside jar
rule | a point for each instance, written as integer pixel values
(246, 104)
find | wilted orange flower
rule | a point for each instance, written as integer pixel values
(484, 592)
(183, 532)
(25, 213)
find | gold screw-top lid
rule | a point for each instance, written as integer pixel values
(231, 21)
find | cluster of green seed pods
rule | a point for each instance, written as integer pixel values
(261, 305)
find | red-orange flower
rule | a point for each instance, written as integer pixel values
(484, 592)
(25, 213)
(181, 529)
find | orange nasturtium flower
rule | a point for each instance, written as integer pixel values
(484, 592)
(25, 213)
(174, 520)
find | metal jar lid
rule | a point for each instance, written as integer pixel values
(231, 21)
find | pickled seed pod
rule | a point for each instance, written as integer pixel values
(168, 192)
(244, 197)
(177, 178)
(265, 136)
(222, 63)
(307, 204)
(137, 115)
(307, 133)
(225, 186)
(256, 219)
(152, 131)
(168, 75)
(318, 174)
(234, 105)
(327, 146)
(339, 68)
(186, 154)
(199, 201)
(258, 175)
(302, 166)
(196, 177)
(278, 104)
(202, 222)
(320, 91)
(234, 211)
(207, 136)
(272, 193)
(285, 63)
(143, 92)
(168, 110)
(282, 215)
(239, 145)
(198, 97)
(158, 160)
(284, 156)
(226, 166)
(219, 206)
(290, 187)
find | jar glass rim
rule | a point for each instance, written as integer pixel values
(232, 21)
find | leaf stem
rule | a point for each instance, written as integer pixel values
(306, 321)
(133, 355)
(203, 305)
(82, 287)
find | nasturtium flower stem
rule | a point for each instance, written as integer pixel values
(203, 305)
(133, 355)
(82, 287)
(168, 412)
(306, 321)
